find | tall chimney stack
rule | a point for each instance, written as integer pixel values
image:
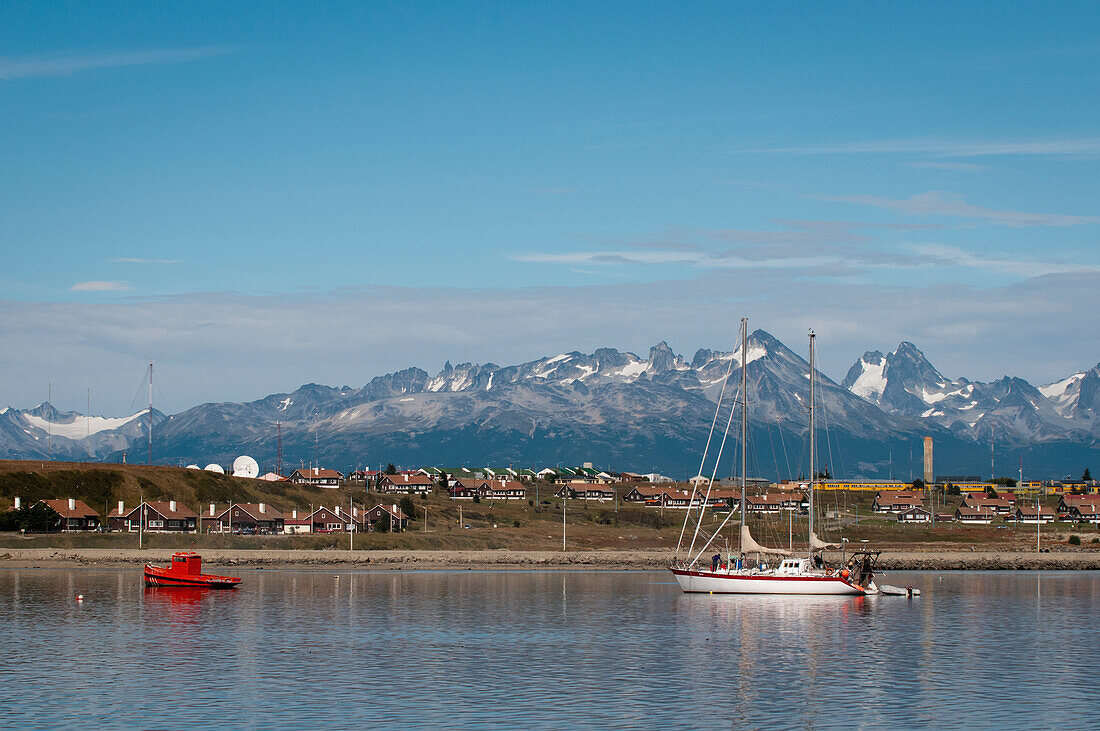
(72, 503)
(18, 503)
(211, 510)
(172, 505)
(121, 507)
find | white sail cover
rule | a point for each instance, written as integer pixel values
(748, 545)
(816, 544)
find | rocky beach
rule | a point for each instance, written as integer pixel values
(503, 559)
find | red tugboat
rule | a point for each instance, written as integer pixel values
(186, 570)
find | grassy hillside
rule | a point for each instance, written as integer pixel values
(512, 524)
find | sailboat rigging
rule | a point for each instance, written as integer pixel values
(809, 575)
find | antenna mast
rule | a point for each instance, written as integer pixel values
(49, 424)
(279, 448)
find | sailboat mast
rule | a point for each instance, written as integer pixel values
(150, 458)
(811, 437)
(744, 422)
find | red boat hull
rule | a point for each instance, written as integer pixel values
(156, 576)
(186, 570)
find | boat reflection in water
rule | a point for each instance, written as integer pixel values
(800, 646)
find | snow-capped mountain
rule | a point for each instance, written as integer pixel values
(608, 406)
(1010, 409)
(1077, 397)
(620, 410)
(44, 432)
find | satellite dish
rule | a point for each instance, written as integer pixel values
(214, 468)
(193, 467)
(245, 466)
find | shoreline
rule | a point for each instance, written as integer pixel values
(503, 559)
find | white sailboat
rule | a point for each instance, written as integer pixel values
(804, 575)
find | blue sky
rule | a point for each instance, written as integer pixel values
(232, 189)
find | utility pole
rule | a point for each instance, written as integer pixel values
(141, 518)
(351, 531)
(563, 523)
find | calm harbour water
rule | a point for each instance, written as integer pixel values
(328, 649)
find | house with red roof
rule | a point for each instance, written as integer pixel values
(316, 477)
(76, 516)
(405, 484)
(246, 518)
(390, 516)
(159, 516)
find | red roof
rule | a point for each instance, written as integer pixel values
(316, 473)
(80, 509)
(506, 485)
(391, 509)
(407, 479)
(1079, 499)
(250, 509)
(161, 507)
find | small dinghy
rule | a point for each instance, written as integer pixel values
(186, 570)
(898, 590)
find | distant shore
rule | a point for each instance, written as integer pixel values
(609, 560)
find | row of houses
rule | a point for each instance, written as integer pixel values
(169, 516)
(908, 506)
(589, 475)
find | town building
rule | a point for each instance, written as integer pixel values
(406, 484)
(316, 477)
(389, 516)
(586, 491)
(1066, 503)
(160, 516)
(974, 516)
(895, 501)
(504, 490)
(1000, 506)
(1026, 514)
(467, 488)
(915, 514)
(244, 518)
(76, 515)
(297, 523)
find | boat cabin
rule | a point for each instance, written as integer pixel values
(792, 566)
(186, 562)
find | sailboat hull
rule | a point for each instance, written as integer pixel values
(707, 582)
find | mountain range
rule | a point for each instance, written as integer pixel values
(620, 411)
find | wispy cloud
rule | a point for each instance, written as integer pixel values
(944, 148)
(100, 286)
(963, 167)
(936, 203)
(814, 259)
(136, 260)
(961, 326)
(1020, 267)
(27, 67)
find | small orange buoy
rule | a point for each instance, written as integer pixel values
(80, 597)
(844, 573)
